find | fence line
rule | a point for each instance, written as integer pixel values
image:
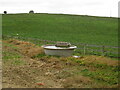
(82, 48)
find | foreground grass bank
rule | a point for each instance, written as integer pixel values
(70, 28)
(26, 66)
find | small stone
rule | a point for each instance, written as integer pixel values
(48, 73)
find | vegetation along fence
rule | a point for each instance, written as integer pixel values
(84, 49)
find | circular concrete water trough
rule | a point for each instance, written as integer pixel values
(59, 51)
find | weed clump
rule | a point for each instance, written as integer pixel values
(27, 48)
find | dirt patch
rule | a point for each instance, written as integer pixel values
(77, 81)
(29, 75)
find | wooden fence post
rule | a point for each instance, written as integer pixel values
(84, 49)
(103, 50)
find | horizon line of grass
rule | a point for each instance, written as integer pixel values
(63, 14)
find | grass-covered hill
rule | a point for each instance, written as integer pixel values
(70, 28)
(25, 64)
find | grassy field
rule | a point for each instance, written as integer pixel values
(25, 64)
(70, 28)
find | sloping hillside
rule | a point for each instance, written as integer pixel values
(70, 28)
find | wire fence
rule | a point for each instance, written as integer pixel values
(84, 49)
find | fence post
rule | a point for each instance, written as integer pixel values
(84, 49)
(103, 50)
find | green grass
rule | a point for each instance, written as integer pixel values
(70, 28)
(12, 58)
(105, 75)
(10, 55)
